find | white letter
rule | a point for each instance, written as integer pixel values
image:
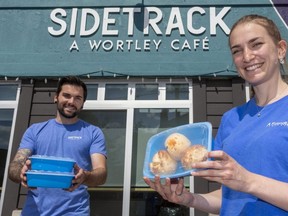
(94, 45)
(172, 44)
(157, 44)
(109, 47)
(152, 22)
(131, 12)
(217, 20)
(205, 44)
(146, 45)
(74, 46)
(107, 21)
(190, 21)
(196, 43)
(129, 42)
(186, 45)
(136, 46)
(62, 23)
(120, 44)
(85, 12)
(175, 15)
(73, 22)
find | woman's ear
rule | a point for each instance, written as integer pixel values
(282, 49)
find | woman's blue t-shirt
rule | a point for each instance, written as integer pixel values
(258, 143)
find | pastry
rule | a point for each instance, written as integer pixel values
(195, 153)
(162, 163)
(176, 145)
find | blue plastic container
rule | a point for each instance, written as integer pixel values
(50, 163)
(49, 179)
(197, 133)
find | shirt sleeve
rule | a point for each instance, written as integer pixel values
(99, 143)
(28, 140)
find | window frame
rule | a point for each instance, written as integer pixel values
(129, 105)
(9, 104)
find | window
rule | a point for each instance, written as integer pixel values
(129, 113)
(8, 103)
(177, 91)
(146, 92)
(116, 92)
(8, 92)
(92, 92)
(5, 129)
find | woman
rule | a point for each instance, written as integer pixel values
(250, 159)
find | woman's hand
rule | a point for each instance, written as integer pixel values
(171, 190)
(223, 169)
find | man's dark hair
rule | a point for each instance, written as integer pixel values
(71, 80)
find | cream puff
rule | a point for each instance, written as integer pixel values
(162, 163)
(176, 145)
(195, 153)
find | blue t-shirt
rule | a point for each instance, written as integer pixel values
(260, 144)
(76, 141)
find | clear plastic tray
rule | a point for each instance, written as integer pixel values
(197, 133)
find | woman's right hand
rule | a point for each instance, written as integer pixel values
(172, 190)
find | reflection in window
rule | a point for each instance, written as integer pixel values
(146, 92)
(113, 125)
(92, 91)
(116, 91)
(177, 91)
(6, 117)
(148, 122)
(8, 92)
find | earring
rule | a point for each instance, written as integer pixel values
(281, 60)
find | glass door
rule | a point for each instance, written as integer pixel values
(107, 199)
(148, 122)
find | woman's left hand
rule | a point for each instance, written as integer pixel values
(224, 170)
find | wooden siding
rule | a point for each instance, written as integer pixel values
(22, 122)
(43, 107)
(212, 98)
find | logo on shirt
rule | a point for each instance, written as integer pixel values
(74, 137)
(277, 124)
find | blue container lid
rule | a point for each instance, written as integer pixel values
(54, 158)
(197, 133)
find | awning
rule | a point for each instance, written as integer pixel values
(124, 39)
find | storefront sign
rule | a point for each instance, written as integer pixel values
(108, 21)
(124, 38)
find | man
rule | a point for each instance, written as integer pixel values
(64, 136)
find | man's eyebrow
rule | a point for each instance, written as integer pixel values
(78, 96)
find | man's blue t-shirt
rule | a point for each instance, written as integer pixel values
(76, 141)
(258, 143)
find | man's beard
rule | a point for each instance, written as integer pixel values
(69, 116)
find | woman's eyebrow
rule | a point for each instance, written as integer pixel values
(249, 42)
